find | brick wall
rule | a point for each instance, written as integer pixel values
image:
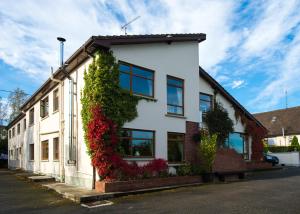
(190, 147)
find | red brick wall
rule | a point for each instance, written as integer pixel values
(190, 147)
(228, 160)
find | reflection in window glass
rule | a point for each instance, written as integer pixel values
(175, 147)
(137, 143)
(137, 80)
(175, 95)
(236, 142)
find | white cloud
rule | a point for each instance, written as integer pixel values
(29, 28)
(237, 84)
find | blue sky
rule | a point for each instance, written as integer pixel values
(252, 47)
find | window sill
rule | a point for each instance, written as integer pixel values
(44, 160)
(138, 158)
(176, 164)
(145, 97)
(55, 112)
(56, 160)
(31, 161)
(176, 116)
(43, 118)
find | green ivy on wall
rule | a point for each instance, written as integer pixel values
(101, 87)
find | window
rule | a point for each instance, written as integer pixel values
(31, 116)
(44, 107)
(137, 143)
(55, 148)
(175, 147)
(9, 134)
(24, 124)
(237, 142)
(55, 100)
(136, 79)
(31, 151)
(45, 150)
(175, 95)
(205, 102)
(13, 132)
(18, 128)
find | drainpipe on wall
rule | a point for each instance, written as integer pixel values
(61, 121)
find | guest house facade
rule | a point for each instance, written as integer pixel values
(47, 137)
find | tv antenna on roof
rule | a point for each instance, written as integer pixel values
(124, 27)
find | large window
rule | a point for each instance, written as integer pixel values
(24, 124)
(175, 147)
(45, 150)
(205, 102)
(31, 152)
(137, 143)
(137, 80)
(44, 108)
(13, 131)
(55, 148)
(31, 116)
(9, 134)
(55, 100)
(237, 142)
(175, 95)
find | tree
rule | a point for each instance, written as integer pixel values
(3, 111)
(295, 143)
(218, 122)
(15, 100)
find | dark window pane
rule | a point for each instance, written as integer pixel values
(176, 82)
(125, 81)
(174, 96)
(142, 72)
(142, 86)
(142, 148)
(125, 133)
(142, 134)
(175, 147)
(124, 68)
(125, 147)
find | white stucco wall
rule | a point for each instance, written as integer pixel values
(282, 141)
(288, 158)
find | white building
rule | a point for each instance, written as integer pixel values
(48, 136)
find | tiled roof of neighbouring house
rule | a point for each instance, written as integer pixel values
(274, 121)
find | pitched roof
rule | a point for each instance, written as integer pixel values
(95, 42)
(215, 85)
(274, 121)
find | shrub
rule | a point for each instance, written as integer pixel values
(279, 149)
(266, 148)
(295, 144)
(207, 150)
(218, 122)
(184, 170)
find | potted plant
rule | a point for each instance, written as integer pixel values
(207, 150)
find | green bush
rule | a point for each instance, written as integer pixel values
(207, 151)
(184, 170)
(266, 148)
(279, 149)
(295, 144)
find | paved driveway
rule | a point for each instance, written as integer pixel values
(265, 192)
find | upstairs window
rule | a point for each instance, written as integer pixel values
(137, 143)
(137, 80)
(31, 116)
(175, 95)
(18, 128)
(9, 134)
(205, 102)
(44, 107)
(24, 124)
(55, 100)
(13, 132)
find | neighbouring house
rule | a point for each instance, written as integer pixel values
(282, 125)
(164, 70)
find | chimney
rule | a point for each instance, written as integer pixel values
(61, 41)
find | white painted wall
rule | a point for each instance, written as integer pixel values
(282, 141)
(288, 158)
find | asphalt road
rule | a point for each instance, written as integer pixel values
(265, 192)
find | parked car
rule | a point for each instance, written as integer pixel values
(271, 159)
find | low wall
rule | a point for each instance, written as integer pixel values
(288, 158)
(228, 160)
(123, 186)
